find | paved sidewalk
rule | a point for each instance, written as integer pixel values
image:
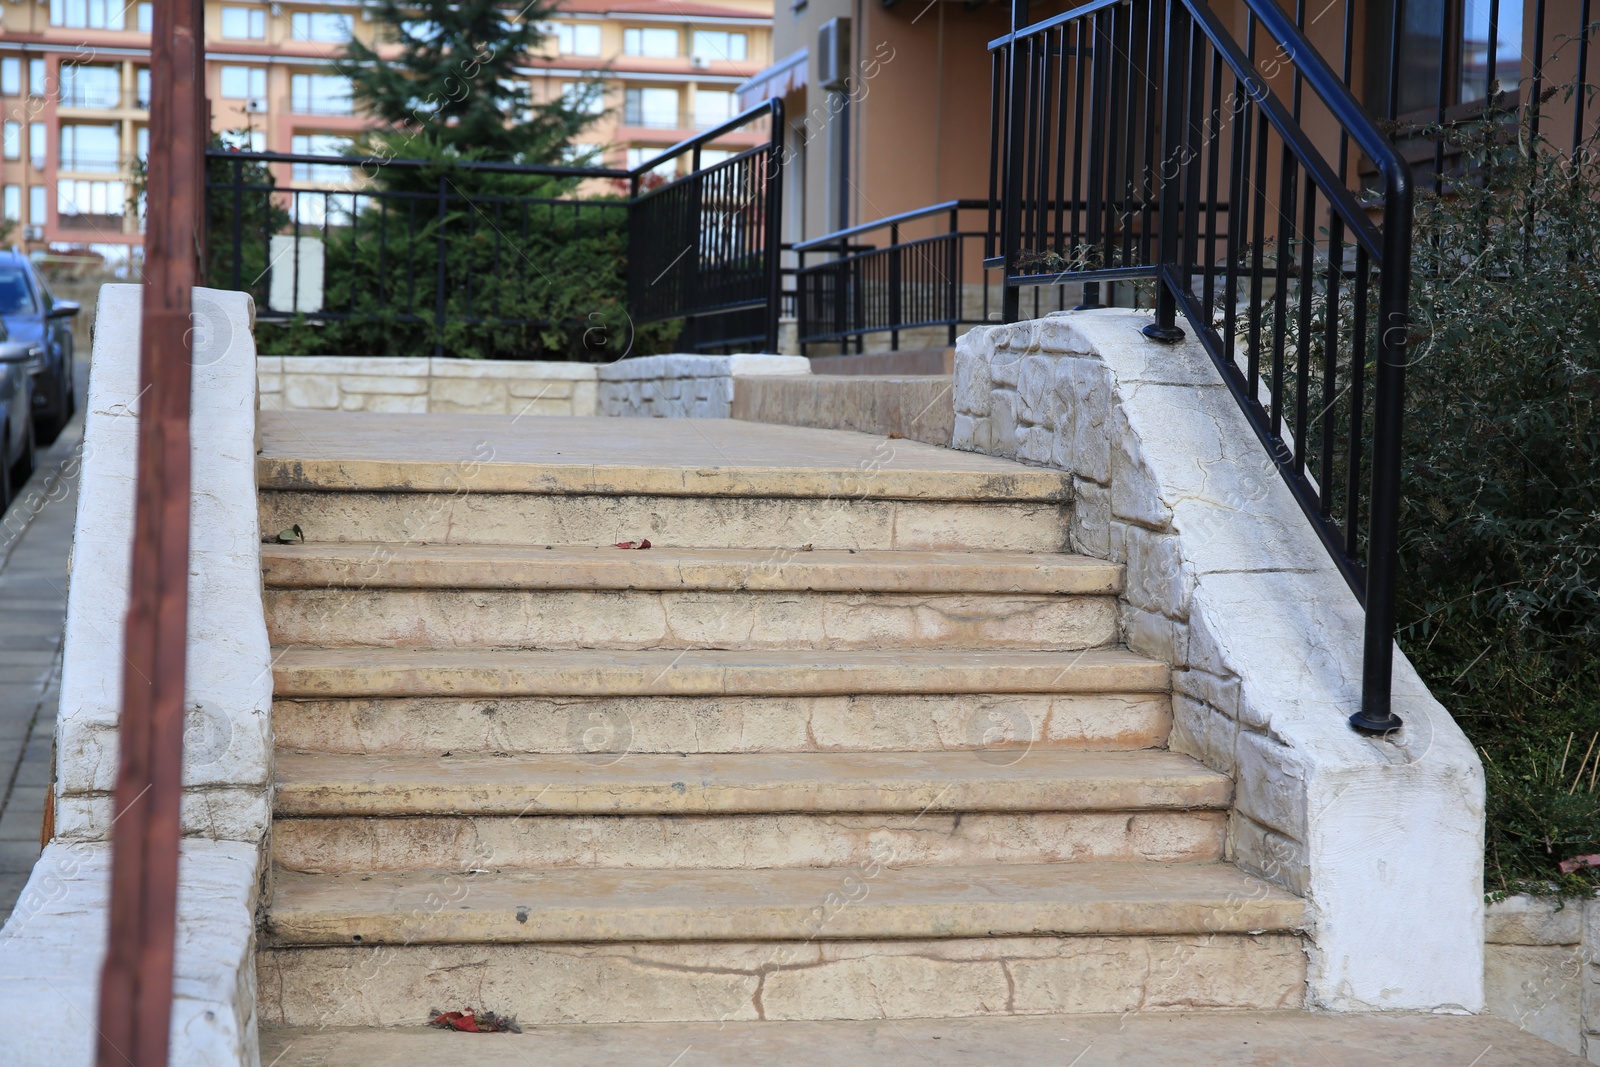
(35, 541)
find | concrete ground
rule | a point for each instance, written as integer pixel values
(1238, 1039)
(35, 540)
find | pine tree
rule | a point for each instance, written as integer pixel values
(454, 83)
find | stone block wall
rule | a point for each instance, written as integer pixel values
(1542, 969)
(684, 386)
(1228, 583)
(916, 407)
(424, 384)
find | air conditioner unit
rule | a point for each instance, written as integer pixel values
(700, 62)
(256, 103)
(833, 54)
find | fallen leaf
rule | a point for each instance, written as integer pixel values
(806, 547)
(471, 1022)
(286, 537)
(645, 543)
(1568, 866)
(896, 436)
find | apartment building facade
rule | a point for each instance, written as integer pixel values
(75, 91)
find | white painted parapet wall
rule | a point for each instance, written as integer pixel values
(683, 386)
(1227, 582)
(423, 384)
(52, 946)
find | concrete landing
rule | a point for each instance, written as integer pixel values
(1235, 1039)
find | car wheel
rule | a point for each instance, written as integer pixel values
(23, 465)
(48, 427)
(5, 468)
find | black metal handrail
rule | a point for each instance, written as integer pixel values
(436, 255)
(1117, 158)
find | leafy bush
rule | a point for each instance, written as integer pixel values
(1500, 551)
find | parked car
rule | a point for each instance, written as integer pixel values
(17, 360)
(33, 316)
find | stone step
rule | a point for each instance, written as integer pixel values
(552, 983)
(379, 565)
(404, 516)
(764, 782)
(380, 672)
(335, 845)
(452, 596)
(575, 905)
(1000, 724)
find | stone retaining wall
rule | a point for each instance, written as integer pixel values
(684, 386)
(1542, 969)
(424, 384)
(1228, 583)
(914, 407)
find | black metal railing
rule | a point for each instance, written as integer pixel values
(438, 254)
(707, 247)
(929, 283)
(1136, 141)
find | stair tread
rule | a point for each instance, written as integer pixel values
(374, 672)
(367, 565)
(306, 450)
(653, 783)
(873, 901)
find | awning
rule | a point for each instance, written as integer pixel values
(780, 79)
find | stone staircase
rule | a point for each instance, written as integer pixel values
(845, 743)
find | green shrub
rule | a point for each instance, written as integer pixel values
(1500, 532)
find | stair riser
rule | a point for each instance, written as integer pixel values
(358, 845)
(645, 619)
(999, 727)
(706, 522)
(547, 984)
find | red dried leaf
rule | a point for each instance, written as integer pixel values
(1568, 866)
(633, 544)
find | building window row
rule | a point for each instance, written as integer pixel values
(36, 204)
(326, 26)
(244, 23)
(571, 40)
(659, 108)
(320, 94)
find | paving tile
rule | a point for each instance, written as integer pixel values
(18, 856)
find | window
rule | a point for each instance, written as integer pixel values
(1467, 58)
(712, 107)
(586, 98)
(11, 77)
(36, 204)
(718, 46)
(320, 94)
(91, 149)
(638, 157)
(420, 29)
(36, 77)
(141, 142)
(319, 26)
(147, 17)
(656, 43)
(244, 140)
(656, 108)
(244, 83)
(248, 24)
(577, 40)
(75, 198)
(98, 87)
(320, 144)
(36, 137)
(13, 140)
(88, 14)
(13, 204)
(141, 87)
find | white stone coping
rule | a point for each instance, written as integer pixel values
(645, 368)
(1228, 583)
(423, 367)
(52, 948)
(229, 677)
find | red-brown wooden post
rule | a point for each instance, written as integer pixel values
(136, 983)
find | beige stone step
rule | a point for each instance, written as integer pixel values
(378, 672)
(765, 782)
(378, 565)
(719, 981)
(639, 457)
(332, 845)
(453, 596)
(477, 516)
(876, 902)
(916, 722)
(657, 619)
